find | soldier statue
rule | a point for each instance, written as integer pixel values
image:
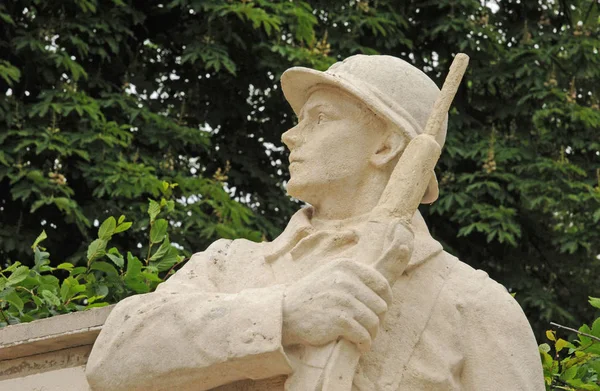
(257, 316)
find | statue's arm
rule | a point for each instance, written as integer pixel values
(499, 346)
(189, 335)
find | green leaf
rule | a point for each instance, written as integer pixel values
(96, 249)
(116, 259)
(7, 18)
(5, 292)
(162, 250)
(121, 219)
(134, 266)
(39, 239)
(96, 305)
(153, 210)
(65, 266)
(17, 276)
(596, 328)
(78, 297)
(107, 229)
(171, 258)
(92, 299)
(14, 299)
(38, 302)
(26, 318)
(69, 288)
(78, 270)
(544, 348)
(12, 267)
(101, 290)
(32, 281)
(158, 230)
(596, 216)
(133, 277)
(114, 251)
(49, 282)
(595, 301)
(570, 373)
(151, 277)
(40, 258)
(560, 345)
(586, 330)
(123, 227)
(50, 298)
(137, 285)
(105, 267)
(8, 72)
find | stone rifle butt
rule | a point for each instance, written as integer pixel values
(410, 179)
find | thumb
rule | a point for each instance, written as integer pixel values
(394, 259)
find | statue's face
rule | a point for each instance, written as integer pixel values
(331, 145)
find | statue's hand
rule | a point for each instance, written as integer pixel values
(341, 299)
(387, 247)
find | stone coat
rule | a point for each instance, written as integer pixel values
(217, 323)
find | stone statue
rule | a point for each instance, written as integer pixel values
(261, 316)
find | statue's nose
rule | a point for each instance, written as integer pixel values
(292, 137)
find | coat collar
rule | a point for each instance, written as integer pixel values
(300, 226)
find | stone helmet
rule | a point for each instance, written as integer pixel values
(392, 88)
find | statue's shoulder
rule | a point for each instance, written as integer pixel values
(473, 293)
(226, 249)
(465, 279)
(478, 313)
(229, 266)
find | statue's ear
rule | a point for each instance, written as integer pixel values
(390, 149)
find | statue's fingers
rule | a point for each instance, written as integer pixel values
(356, 333)
(394, 260)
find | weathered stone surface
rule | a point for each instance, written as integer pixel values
(55, 333)
(49, 354)
(353, 270)
(66, 379)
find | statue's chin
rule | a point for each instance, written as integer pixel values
(300, 191)
(294, 190)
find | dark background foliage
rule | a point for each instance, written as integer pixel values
(103, 100)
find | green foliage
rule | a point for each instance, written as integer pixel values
(79, 143)
(520, 179)
(108, 102)
(575, 365)
(33, 293)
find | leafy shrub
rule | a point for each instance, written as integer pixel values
(575, 365)
(108, 276)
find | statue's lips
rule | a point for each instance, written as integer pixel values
(294, 159)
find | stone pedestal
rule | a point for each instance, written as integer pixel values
(49, 354)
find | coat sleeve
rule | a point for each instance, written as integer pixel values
(188, 335)
(500, 349)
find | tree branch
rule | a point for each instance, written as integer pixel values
(4, 316)
(596, 339)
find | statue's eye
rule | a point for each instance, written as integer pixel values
(321, 118)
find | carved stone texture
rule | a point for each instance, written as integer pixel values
(264, 316)
(49, 354)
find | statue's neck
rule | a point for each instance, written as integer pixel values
(329, 224)
(349, 200)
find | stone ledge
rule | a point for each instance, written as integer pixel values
(22, 367)
(52, 334)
